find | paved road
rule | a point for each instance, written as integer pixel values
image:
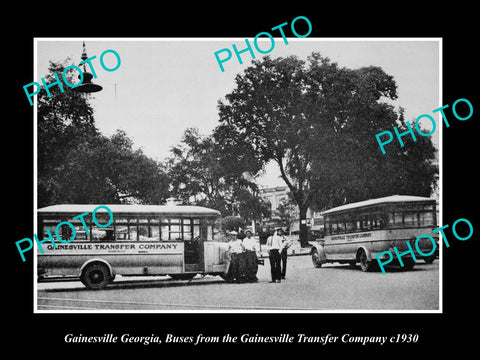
(332, 287)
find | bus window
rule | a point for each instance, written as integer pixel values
(334, 228)
(187, 232)
(341, 227)
(395, 219)
(391, 219)
(125, 229)
(426, 218)
(171, 230)
(50, 225)
(410, 219)
(80, 233)
(358, 225)
(379, 221)
(196, 229)
(148, 230)
(154, 232)
(143, 233)
(101, 234)
(350, 226)
(165, 232)
(121, 232)
(175, 229)
(65, 232)
(367, 224)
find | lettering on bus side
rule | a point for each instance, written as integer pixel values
(361, 235)
(115, 247)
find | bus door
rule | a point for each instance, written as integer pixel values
(193, 245)
(193, 255)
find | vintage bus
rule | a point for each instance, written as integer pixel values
(357, 232)
(174, 240)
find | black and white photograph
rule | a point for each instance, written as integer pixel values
(209, 171)
(222, 181)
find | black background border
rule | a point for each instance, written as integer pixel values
(45, 332)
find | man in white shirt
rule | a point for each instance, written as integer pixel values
(274, 245)
(251, 249)
(283, 253)
(235, 247)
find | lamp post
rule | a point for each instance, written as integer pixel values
(87, 86)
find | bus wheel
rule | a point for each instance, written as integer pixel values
(187, 276)
(96, 276)
(316, 258)
(365, 264)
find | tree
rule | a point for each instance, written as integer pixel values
(232, 223)
(318, 122)
(108, 170)
(64, 121)
(77, 164)
(286, 211)
(203, 172)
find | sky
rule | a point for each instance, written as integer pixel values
(164, 86)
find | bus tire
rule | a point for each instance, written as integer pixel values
(187, 276)
(365, 264)
(316, 259)
(96, 276)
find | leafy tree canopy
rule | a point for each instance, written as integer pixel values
(204, 172)
(77, 164)
(318, 122)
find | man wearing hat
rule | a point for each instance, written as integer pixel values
(251, 248)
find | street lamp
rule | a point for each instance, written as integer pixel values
(87, 86)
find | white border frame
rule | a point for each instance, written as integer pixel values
(222, 310)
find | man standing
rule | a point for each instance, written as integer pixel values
(283, 252)
(274, 244)
(235, 247)
(251, 249)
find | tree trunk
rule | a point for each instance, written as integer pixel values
(303, 226)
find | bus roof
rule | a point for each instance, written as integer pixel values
(382, 200)
(136, 209)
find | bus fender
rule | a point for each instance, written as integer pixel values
(367, 252)
(320, 251)
(86, 263)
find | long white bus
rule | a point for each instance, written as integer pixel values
(357, 232)
(173, 240)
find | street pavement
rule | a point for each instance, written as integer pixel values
(333, 287)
